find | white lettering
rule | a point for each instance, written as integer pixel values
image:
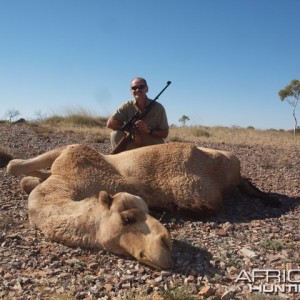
(273, 274)
(255, 288)
(256, 274)
(294, 273)
(271, 280)
(246, 278)
(279, 288)
(293, 288)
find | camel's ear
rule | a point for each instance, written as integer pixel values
(105, 199)
(132, 216)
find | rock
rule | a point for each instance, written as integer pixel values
(206, 291)
(208, 249)
(189, 279)
(228, 295)
(248, 253)
(126, 285)
(108, 287)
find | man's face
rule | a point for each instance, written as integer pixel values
(138, 89)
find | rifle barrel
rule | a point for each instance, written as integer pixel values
(137, 115)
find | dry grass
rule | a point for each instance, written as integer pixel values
(78, 120)
(89, 124)
(213, 135)
(78, 117)
(75, 120)
(94, 134)
(241, 136)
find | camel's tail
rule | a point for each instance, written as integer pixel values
(247, 187)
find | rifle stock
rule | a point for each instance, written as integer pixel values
(121, 146)
(128, 126)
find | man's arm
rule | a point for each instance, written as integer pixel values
(160, 133)
(144, 127)
(114, 124)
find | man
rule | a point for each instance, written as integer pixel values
(152, 129)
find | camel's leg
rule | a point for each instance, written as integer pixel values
(31, 166)
(29, 183)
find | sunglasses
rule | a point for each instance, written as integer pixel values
(140, 87)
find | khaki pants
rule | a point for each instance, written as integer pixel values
(147, 140)
(115, 138)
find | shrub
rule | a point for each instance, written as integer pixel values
(275, 245)
(199, 132)
(54, 120)
(76, 119)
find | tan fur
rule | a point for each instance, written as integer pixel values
(179, 176)
(120, 224)
(174, 176)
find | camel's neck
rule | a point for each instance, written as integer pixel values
(78, 225)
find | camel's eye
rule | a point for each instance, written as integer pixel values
(128, 221)
(130, 216)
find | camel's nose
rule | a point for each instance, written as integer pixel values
(166, 261)
(166, 241)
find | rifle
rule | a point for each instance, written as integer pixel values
(129, 125)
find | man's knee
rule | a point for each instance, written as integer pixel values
(115, 137)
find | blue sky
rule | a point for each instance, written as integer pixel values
(227, 59)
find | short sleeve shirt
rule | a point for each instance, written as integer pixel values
(156, 118)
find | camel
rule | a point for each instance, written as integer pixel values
(71, 202)
(120, 223)
(173, 176)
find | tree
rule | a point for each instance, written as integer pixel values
(183, 119)
(39, 115)
(291, 93)
(12, 113)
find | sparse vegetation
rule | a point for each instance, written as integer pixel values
(88, 123)
(93, 128)
(275, 245)
(184, 119)
(264, 297)
(291, 94)
(88, 280)
(11, 114)
(199, 131)
(181, 293)
(76, 119)
(241, 136)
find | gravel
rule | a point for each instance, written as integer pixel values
(209, 253)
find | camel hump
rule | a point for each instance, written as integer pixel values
(77, 155)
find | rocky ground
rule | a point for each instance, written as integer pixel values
(211, 255)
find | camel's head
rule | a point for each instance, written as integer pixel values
(129, 229)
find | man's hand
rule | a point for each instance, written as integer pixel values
(137, 137)
(142, 126)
